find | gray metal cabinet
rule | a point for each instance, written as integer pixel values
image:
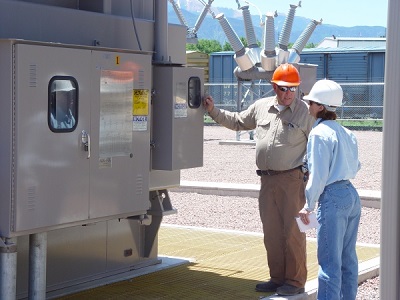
(51, 179)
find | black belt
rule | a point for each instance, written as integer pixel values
(272, 172)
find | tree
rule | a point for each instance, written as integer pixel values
(310, 45)
(244, 41)
(205, 46)
(227, 47)
(209, 46)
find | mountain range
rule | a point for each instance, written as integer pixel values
(211, 29)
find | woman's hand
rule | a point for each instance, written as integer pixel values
(303, 215)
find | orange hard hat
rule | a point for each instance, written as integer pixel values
(286, 75)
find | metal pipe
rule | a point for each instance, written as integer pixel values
(249, 28)
(254, 49)
(239, 97)
(269, 33)
(282, 51)
(231, 35)
(287, 27)
(305, 36)
(243, 56)
(8, 270)
(161, 32)
(37, 266)
(203, 14)
(268, 56)
(294, 53)
(179, 13)
(390, 222)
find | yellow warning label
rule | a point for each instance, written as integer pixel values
(117, 60)
(140, 103)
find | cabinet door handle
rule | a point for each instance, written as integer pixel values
(86, 142)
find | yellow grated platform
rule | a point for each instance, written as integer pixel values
(224, 265)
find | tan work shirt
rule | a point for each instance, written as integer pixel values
(281, 136)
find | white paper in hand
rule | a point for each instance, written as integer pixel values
(313, 223)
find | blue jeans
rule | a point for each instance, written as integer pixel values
(338, 215)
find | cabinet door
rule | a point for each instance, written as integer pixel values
(120, 141)
(51, 164)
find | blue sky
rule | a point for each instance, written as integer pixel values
(335, 12)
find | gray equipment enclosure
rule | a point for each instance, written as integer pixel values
(58, 180)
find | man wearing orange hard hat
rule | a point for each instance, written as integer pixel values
(282, 125)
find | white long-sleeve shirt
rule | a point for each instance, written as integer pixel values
(332, 155)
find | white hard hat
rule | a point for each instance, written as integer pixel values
(327, 93)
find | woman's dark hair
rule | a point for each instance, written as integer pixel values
(326, 115)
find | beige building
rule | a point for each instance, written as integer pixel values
(198, 59)
(343, 42)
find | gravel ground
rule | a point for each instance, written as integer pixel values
(236, 164)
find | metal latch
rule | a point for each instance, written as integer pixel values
(86, 142)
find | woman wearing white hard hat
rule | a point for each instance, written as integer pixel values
(332, 160)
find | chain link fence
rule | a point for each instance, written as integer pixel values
(360, 100)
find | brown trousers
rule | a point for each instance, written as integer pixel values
(281, 198)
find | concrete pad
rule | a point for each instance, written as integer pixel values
(368, 198)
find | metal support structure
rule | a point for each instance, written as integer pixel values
(179, 13)
(240, 101)
(8, 269)
(37, 266)
(390, 232)
(160, 206)
(201, 17)
(191, 36)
